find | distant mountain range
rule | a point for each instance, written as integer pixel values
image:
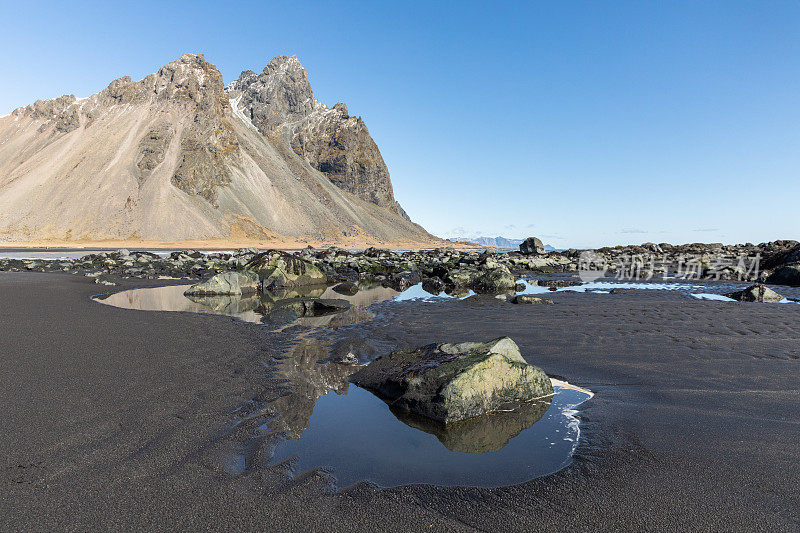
(500, 242)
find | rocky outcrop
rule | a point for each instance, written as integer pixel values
(495, 281)
(280, 103)
(452, 382)
(756, 293)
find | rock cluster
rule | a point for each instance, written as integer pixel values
(455, 272)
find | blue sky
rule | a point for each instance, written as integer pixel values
(584, 123)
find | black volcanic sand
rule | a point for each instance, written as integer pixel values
(120, 419)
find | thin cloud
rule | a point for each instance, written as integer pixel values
(633, 230)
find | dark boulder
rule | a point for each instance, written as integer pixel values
(532, 245)
(403, 280)
(786, 275)
(433, 285)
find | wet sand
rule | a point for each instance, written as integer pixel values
(120, 419)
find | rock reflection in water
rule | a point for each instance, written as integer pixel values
(354, 434)
(227, 305)
(277, 304)
(171, 298)
(488, 433)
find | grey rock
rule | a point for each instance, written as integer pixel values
(403, 280)
(433, 285)
(530, 299)
(756, 293)
(346, 288)
(312, 306)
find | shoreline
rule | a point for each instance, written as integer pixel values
(225, 244)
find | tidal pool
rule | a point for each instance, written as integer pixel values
(250, 308)
(356, 436)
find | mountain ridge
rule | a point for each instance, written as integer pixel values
(176, 156)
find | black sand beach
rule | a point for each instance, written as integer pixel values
(119, 419)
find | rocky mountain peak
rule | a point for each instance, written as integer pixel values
(279, 95)
(330, 140)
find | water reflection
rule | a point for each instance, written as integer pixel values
(483, 434)
(279, 306)
(356, 436)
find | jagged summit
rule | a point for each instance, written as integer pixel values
(280, 102)
(170, 158)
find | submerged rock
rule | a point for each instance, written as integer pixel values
(226, 304)
(227, 283)
(756, 293)
(312, 306)
(348, 288)
(451, 382)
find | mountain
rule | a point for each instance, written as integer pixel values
(499, 242)
(177, 156)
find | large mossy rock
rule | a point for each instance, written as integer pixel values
(495, 281)
(227, 283)
(451, 382)
(756, 293)
(281, 270)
